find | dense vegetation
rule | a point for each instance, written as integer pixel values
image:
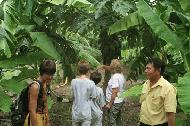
(95, 30)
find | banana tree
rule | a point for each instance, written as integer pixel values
(26, 39)
(168, 24)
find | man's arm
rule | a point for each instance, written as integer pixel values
(171, 118)
(113, 96)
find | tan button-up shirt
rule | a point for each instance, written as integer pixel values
(156, 101)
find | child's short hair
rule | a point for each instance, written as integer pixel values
(47, 67)
(96, 77)
(83, 67)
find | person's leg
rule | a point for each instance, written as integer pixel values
(112, 116)
(74, 123)
(99, 121)
(86, 123)
(119, 119)
(93, 122)
(115, 115)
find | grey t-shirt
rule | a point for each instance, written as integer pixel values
(96, 105)
(83, 91)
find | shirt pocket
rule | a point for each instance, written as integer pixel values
(157, 103)
(143, 97)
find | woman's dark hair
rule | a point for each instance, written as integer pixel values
(47, 67)
(158, 64)
(96, 77)
(83, 67)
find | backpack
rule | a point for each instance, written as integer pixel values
(19, 108)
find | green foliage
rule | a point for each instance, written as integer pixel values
(185, 5)
(42, 41)
(130, 20)
(5, 101)
(70, 30)
(26, 41)
(21, 60)
(179, 122)
(50, 102)
(122, 7)
(5, 47)
(13, 85)
(85, 56)
(183, 93)
(79, 3)
(56, 2)
(157, 25)
(133, 91)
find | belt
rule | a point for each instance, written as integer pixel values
(164, 124)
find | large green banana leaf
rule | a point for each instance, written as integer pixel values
(27, 59)
(185, 5)
(5, 102)
(133, 91)
(56, 2)
(183, 90)
(78, 3)
(5, 47)
(10, 21)
(84, 55)
(13, 85)
(42, 41)
(130, 20)
(157, 25)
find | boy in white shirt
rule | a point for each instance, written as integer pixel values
(99, 103)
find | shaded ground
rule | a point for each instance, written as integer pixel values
(61, 114)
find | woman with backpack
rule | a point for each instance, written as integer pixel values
(37, 96)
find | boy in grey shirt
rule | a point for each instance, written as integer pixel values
(99, 103)
(84, 91)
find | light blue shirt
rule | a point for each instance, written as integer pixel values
(97, 104)
(83, 91)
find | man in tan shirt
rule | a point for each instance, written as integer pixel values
(158, 98)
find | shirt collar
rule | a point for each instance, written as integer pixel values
(158, 83)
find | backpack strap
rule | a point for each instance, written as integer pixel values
(37, 82)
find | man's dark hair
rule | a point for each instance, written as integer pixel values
(158, 64)
(96, 77)
(83, 67)
(47, 67)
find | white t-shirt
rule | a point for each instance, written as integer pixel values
(83, 91)
(117, 80)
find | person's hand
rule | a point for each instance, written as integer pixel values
(108, 106)
(101, 67)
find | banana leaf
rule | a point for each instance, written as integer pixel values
(183, 90)
(132, 19)
(157, 25)
(42, 41)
